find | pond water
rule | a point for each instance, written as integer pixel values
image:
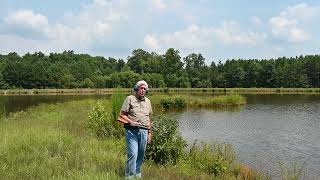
(269, 130)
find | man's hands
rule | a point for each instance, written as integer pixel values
(135, 123)
(149, 131)
(149, 137)
(149, 125)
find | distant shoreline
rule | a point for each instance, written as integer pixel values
(162, 90)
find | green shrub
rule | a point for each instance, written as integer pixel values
(100, 121)
(167, 144)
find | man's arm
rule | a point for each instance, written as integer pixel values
(124, 115)
(150, 130)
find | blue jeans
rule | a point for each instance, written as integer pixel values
(136, 146)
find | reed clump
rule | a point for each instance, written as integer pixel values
(183, 101)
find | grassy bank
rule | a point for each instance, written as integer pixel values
(162, 90)
(53, 141)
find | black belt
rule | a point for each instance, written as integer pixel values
(128, 126)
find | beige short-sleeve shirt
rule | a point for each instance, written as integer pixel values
(138, 110)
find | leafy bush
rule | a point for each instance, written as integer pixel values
(100, 121)
(103, 119)
(167, 144)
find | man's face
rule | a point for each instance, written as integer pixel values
(142, 90)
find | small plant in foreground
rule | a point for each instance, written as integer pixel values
(167, 144)
(100, 121)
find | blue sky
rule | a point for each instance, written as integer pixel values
(219, 30)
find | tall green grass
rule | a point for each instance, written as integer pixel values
(117, 101)
(3, 113)
(291, 171)
(215, 159)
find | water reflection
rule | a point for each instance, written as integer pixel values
(9, 104)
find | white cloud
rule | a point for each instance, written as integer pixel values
(298, 35)
(100, 2)
(231, 33)
(9, 44)
(283, 27)
(191, 37)
(292, 23)
(151, 42)
(66, 37)
(205, 38)
(302, 11)
(26, 23)
(102, 29)
(158, 4)
(27, 18)
(107, 12)
(94, 24)
(256, 20)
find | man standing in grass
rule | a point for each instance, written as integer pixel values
(136, 109)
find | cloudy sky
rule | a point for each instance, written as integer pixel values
(217, 29)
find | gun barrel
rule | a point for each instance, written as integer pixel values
(122, 120)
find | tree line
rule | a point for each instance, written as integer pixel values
(70, 70)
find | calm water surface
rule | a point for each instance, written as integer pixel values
(268, 130)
